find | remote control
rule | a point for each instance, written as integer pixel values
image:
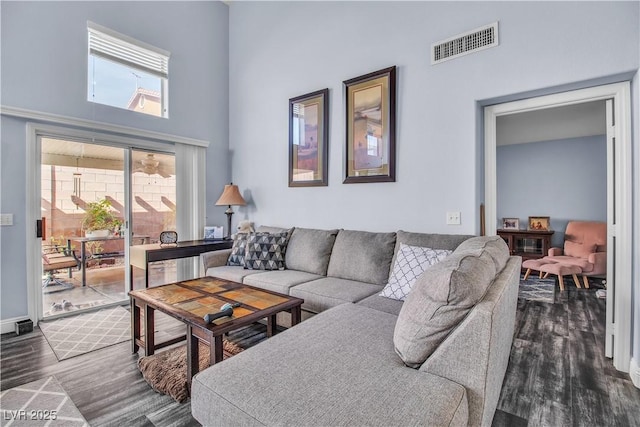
(226, 310)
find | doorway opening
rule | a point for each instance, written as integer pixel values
(618, 191)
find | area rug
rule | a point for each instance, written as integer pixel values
(536, 289)
(75, 335)
(39, 403)
(166, 372)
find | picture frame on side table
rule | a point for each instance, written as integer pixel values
(213, 233)
(540, 223)
(510, 223)
(371, 127)
(309, 139)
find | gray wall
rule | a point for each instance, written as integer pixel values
(565, 180)
(44, 68)
(280, 50)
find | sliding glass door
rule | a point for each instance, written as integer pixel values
(98, 199)
(153, 203)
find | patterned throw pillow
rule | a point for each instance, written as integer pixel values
(236, 257)
(410, 263)
(266, 251)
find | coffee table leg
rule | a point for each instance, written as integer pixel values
(135, 326)
(193, 355)
(216, 350)
(149, 326)
(271, 325)
(296, 315)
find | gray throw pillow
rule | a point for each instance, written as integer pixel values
(440, 299)
(495, 246)
(236, 257)
(362, 256)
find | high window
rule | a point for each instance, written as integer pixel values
(126, 73)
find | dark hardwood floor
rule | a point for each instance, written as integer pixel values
(557, 374)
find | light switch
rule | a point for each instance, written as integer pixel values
(6, 219)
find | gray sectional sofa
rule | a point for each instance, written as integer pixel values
(439, 358)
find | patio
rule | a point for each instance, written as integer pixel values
(105, 285)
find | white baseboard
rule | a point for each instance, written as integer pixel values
(9, 325)
(634, 372)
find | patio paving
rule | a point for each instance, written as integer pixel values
(105, 285)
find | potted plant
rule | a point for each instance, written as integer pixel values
(99, 221)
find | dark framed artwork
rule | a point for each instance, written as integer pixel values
(309, 139)
(371, 127)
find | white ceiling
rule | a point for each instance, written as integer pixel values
(571, 121)
(85, 155)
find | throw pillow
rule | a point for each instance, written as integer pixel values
(266, 251)
(236, 257)
(411, 262)
(440, 300)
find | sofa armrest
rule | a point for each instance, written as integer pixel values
(599, 261)
(555, 251)
(487, 334)
(215, 258)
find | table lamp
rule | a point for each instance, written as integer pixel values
(230, 197)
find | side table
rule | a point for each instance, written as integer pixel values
(141, 255)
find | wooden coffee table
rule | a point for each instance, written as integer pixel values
(189, 301)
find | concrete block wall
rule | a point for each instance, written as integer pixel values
(154, 201)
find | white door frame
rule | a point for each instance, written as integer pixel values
(621, 95)
(33, 182)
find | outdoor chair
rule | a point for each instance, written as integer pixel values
(54, 258)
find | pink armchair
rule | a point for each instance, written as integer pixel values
(585, 246)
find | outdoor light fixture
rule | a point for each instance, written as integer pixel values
(231, 197)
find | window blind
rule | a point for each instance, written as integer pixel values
(128, 51)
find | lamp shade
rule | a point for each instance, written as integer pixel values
(231, 197)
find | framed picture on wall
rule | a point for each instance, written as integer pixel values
(510, 223)
(309, 139)
(539, 223)
(371, 127)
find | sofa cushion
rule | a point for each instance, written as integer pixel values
(236, 257)
(409, 264)
(266, 251)
(309, 250)
(235, 273)
(280, 281)
(578, 249)
(311, 375)
(440, 299)
(384, 304)
(362, 256)
(322, 294)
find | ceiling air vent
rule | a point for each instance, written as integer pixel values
(463, 44)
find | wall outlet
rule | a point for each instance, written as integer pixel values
(6, 219)
(453, 218)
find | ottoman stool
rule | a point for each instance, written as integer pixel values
(535, 264)
(561, 270)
